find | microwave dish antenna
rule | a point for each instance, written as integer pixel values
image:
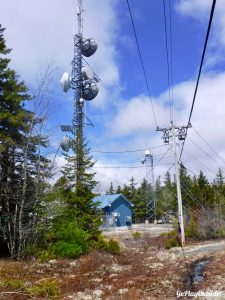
(90, 89)
(89, 47)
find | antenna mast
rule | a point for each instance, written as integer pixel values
(84, 83)
(77, 85)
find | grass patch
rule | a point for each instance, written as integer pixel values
(45, 288)
(15, 284)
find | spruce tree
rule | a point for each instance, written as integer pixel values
(77, 195)
(139, 201)
(111, 189)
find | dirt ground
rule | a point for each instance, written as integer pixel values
(144, 270)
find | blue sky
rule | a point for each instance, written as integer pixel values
(121, 113)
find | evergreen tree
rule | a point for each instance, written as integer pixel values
(118, 190)
(126, 191)
(139, 201)
(77, 195)
(21, 164)
(186, 186)
(111, 189)
(204, 190)
(132, 188)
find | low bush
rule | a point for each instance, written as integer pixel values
(171, 242)
(170, 239)
(12, 283)
(69, 240)
(191, 229)
(45, 288)
(136, 235)
(45, 255)
(109, 246)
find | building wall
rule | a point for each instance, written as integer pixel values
(124, 209)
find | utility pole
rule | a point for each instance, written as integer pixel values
(175, 132)
(150, 197)
(84, 83)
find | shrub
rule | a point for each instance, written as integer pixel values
(171, 239)
(45, 288)
(112, 246)
(69, 240)
(109, 246)
(191, 229)
(45, 255)
(136, 235)
(171, 242)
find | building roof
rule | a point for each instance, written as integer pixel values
(107, 200)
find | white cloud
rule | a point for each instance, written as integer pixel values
(43, 30)
(200, 10)
(134, 118)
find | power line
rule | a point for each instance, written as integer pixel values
(167, 58)
(203, 56)
(171, 54)
(127, 167)
(164, 173)
(200, 68)
(142, 63)
(209, 156)
(188, 191)
(191, 171)
(200, 163)
(163, 155)
(127, 151)
(210, 147)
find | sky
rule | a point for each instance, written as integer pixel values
(40, 34)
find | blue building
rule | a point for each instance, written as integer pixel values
(117, 210)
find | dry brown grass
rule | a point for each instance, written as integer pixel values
(142, 272)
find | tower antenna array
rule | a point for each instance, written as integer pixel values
(84, 83)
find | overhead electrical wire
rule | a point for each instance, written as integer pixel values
(164, 173)
(190, 194)
(202, 59)
(163, 156)
(167, 60)
(127, 151)
(200, 68)
(191, 171)
(207, 154)
(185, 204)
(142, 63)
(127, 167)
(171, 54)
(210, 147)
(200, 163)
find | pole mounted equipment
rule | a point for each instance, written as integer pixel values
(176, 132)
